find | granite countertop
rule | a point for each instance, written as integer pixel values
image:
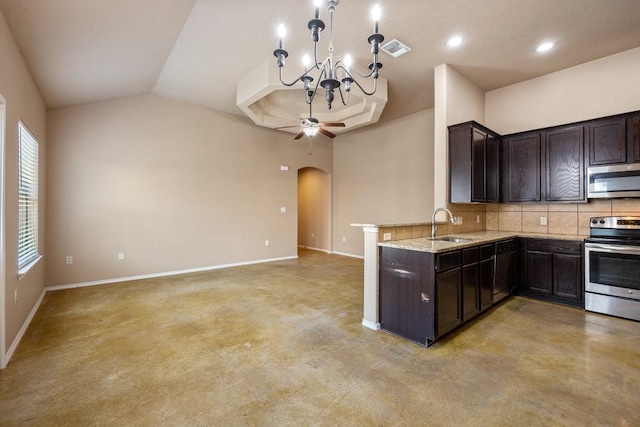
(425, 244)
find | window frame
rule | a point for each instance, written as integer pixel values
(28, 251)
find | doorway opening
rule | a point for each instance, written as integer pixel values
(314, 209)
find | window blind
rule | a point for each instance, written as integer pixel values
(27, 197)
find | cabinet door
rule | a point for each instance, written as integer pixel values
(478, 166)
(493, 169)
(504, 275)
(524, 168)
(633, 137)
(449, 313)
(470, 291)
(404, 277)
(460, 161)
(486, 283)
(565, 164)
(539, 272)
(607, 142)
(567, 276)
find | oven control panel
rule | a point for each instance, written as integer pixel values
(616, 222)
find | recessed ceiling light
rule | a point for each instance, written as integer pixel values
(455, 41)
(545, 47)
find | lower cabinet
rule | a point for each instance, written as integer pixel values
(553, 270)
(423, 295)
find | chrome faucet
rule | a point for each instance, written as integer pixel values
(434, 226)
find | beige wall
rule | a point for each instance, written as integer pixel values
(314, 209)
(173, 186)
(382, 174)
(457, 100)
(599, 88)
(23, 102)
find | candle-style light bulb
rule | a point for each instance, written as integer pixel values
(375, 14)
(282, 32)
(347, 62)
(317, 4)
(306, 61)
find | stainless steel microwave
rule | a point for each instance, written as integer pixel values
(616, 181)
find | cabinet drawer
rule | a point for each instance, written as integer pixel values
(448, 260)
(508, 246)
(554, 246)
(469, 256)
(487, 251)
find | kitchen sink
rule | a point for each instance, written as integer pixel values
(452, 239)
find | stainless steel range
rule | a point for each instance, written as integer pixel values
(612, 266)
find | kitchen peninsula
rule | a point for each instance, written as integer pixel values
(475, 271)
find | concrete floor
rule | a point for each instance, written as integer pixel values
(282, 344)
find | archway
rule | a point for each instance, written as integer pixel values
(314, 209)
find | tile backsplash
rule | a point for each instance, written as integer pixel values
(560, 218)
(569, 218)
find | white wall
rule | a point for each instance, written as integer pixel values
(599, 88)
(382, 174)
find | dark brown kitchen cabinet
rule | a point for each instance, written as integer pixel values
(553, 270)
(473, 163)
(407, 294)
(608, 141)
(470, 283)
(522, 159)
(565, 164)
(487, 269)
(614, 140)
(448, 303)
(633, 137)
(424, 296)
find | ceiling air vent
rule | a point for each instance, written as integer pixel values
(395, 48)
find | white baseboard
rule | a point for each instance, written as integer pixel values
(314, 249)
(23, 329)
(163, 274)
(349, 255)
(369, 324)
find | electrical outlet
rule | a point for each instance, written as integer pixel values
(120, 256)
(344, 239)
(68, 260)
(543, 220)
(313, 235)
(15, 296)
(266, 243)
(283, 209)
(458, 220)
(477, 218)
(386, 236)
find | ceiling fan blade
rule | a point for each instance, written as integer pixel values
(333, 124)
(298, 136)
(326, 132)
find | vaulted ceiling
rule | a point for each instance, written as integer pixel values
(84, 51)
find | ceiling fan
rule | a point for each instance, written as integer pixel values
(311, 126)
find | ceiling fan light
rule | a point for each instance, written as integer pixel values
(311, 131)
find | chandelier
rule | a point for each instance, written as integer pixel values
(330, 74)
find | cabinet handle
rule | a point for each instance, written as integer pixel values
(425, 297)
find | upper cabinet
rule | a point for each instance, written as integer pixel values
(545, 166)
(565, 169)
(614, 140)
(473, 163)
(522, 171)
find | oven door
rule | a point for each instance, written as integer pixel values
(612, 276)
